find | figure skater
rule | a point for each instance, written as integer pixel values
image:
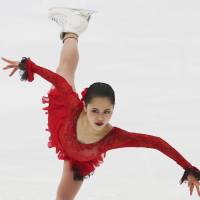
(79, 129)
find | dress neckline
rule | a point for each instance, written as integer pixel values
(75, 132)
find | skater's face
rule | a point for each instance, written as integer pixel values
(99, 110)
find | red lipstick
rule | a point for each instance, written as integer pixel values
(99, 123)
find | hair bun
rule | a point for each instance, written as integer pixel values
(83, 93)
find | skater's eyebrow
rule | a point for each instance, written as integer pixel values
(98, 109)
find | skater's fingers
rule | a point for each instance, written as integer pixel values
(14, 70)
(198, 190)
(8, 66)
(9, 61)
(191, 188)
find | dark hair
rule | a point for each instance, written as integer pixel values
(99, 89)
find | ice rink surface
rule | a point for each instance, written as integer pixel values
(148, 51)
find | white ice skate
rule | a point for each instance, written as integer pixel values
(73, 20)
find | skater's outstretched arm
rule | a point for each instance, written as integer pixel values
(122, 138)
(29, 68)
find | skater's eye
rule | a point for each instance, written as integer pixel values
(95, 111)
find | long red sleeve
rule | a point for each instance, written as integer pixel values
(122, 138)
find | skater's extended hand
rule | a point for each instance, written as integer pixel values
(12, 64)
(193, 182)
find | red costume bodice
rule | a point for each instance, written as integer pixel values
(64, 108)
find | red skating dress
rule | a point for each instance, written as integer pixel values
(64, 108)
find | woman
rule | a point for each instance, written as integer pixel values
(79, 128)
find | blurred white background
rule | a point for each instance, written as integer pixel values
(148, 51)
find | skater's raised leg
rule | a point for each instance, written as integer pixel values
(69, 57)
(73, 22)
